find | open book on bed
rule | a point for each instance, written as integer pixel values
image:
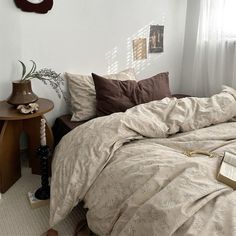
(227, 171)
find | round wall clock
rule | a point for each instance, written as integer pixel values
(38, 6)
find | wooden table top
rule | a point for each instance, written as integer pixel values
(9, 112)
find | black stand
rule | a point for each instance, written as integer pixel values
(43, 193)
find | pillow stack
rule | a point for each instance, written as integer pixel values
(83, 94)
(95, 95)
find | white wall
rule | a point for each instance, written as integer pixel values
(87, 36)
(10, 46)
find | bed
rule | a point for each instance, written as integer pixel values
(64, 125)
(131, 170)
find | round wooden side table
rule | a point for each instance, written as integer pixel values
(12, 123)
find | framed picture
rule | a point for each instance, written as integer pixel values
(156, 38)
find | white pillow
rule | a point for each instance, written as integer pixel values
(83, 95)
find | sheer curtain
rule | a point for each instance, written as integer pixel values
(215, 53)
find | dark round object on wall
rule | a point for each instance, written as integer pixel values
(42, 7)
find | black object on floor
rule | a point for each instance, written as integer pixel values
(43, 193)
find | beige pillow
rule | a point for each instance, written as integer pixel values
(83, 95)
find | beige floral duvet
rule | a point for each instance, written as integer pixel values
(130, 169)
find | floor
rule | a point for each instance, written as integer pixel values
(17, 218)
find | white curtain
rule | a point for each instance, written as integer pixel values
(215, 54)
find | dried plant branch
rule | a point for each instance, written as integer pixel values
(47, 76)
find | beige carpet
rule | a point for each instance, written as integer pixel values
(17, 218)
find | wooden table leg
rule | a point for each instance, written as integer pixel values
(32, 128)
(10, 166)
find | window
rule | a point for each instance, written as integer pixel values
(218, 19)
(229, 19)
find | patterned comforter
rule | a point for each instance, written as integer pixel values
(132, 173)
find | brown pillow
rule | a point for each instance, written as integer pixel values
(118, 96)
(83, 96)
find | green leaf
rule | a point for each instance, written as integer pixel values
(33, 68)
(23, 69)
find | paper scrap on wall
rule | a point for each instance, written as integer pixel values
(140, 48)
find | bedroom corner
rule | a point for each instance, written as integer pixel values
(121, 114)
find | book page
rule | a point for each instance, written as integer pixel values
(228, 170)
(230, 158)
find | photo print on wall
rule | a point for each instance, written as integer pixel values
(140, 49)
(156, 38)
